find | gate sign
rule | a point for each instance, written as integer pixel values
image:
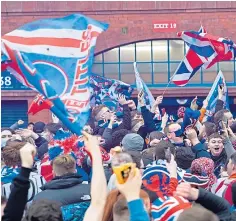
(164, 26)
(9, 82)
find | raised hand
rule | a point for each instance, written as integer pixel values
(121, 99)
(141, 98)
(159, 100)
(220, 91)
(132, 105)
(131, 188)
(27, 154)
(185, 190)
(191, 134)
(20, 122)
(91, 143)
(194, 105)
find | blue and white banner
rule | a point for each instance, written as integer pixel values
(213, 95)
(54, 57)
(140, 84)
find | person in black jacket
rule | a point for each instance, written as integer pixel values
(208, 200)
(66, 187)
(18, 197)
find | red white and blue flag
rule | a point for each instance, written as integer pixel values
(55, 57)
(169, 209)
(204, 51)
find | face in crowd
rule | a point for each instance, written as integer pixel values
(228, 117)
(104, 114)
(231, 166)
(175, 133)
(216, 146)
(5, 136)
(30, 127)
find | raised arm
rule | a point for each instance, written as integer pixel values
(207, 199)
(18, 197)
(95, 210)
(197, 147)
(126, 112)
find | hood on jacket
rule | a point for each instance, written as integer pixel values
(63, 182)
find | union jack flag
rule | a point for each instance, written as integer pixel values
(169, 209)
(205, 50)
(54, 57)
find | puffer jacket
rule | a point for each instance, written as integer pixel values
(67, 189)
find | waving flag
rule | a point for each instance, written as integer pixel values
(103, 90)
(38, 104)
(205, 50)
(54, 57)
(106, 91)
(213, 95)
(149, 99)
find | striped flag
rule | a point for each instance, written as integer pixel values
(205, 50)
(169, 209)
(54, 57)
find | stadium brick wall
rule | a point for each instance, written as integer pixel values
(218, 17)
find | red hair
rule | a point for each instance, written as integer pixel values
(112, 198)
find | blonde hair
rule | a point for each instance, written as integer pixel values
(64, 164)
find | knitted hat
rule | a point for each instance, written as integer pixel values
(184, 157)
(38, 127)
(204, 165)
(156, 178)
(169, 209)
(133, 142)
(201, 180)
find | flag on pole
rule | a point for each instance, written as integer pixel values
(213, 95)
(140, 84)
(204, 51)
(54, 57)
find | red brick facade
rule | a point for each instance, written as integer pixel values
(218, 17)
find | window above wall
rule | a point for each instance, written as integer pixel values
(157, 61)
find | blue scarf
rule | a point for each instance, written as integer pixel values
(9, 173)
(105, 123)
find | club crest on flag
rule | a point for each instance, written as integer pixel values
(54, 57)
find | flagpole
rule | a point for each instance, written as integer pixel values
(171, 79)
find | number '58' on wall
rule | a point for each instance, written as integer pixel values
(5, 81)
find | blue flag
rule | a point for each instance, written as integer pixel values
(54, 57)
(140, 84)
(105, 91)
(213, 95)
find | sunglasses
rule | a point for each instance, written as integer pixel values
(5, 136)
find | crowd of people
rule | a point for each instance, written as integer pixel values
(139, 165)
